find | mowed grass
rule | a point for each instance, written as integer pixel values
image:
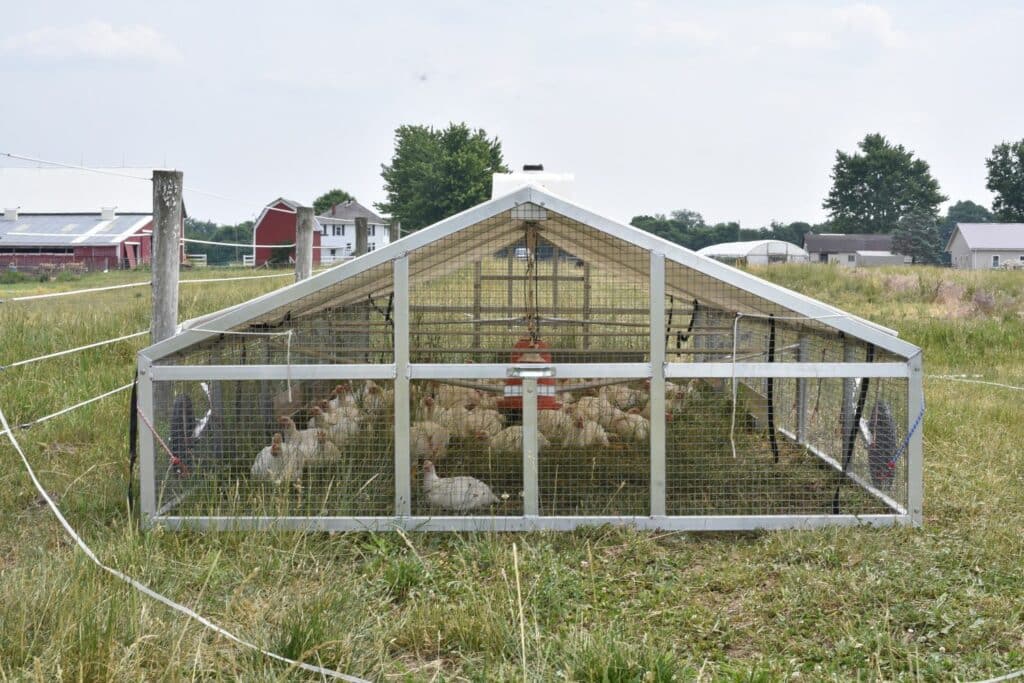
(942, 602)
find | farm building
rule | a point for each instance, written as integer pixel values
(276, 226)
(338, 231)
(843, 249)
(978, 246)
(759, 252)
(433, 385)
(62, 217)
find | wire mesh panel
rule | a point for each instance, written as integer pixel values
(351, 321)
(467, 451)
(595, 449)
(274, 448)
(722, 458)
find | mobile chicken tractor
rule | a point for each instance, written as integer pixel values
(528, 364)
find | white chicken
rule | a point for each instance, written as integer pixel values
(595, 409)
(622, 397)
(586, 433)
(428, 440)
(632, 426)
(305, 441)
(509, 441)
(377, 401)
(460, 494)
(555, 425)
(470, 423)
(341, 396)
(277, 462)
(451, 396)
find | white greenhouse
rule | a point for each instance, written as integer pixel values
(756, 252)
(527, 364)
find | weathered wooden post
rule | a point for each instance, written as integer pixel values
(167, 186)
(394, 231)
(304, 224)
(361, 236)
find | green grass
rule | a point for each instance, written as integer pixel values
(942, 602)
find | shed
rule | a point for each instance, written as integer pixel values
(842, 249)
(980, 246)
(273, 235)
(433, 385)
(759, 252)
(866, 258)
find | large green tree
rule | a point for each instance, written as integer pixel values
(1006, 179)
(219, 254)
(324, 202)
(917, 235)
(436, 173)
(874, 188)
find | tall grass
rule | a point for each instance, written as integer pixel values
(938, 603)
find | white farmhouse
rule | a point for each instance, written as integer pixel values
(980, 246)
(338, 231)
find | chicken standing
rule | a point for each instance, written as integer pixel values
(277, 462)
(305, 441)
(586, 433)
(460, 494)
(376, 401)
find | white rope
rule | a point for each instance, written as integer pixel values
(34, 297)
(1019, 673)
(237, 244)
(58, 354)
(961, 378)
(27, 425)
(146, 590)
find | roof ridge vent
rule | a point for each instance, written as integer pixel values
(533, 168)
(107, 213)
(11, 213)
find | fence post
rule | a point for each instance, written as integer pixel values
(167, 187)
(303, 242)
(361, 236)
(394, 231)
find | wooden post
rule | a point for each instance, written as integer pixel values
(586, 304)
(304, 223)
(394, 231)
(477, 313)
(361, 236)
(554, 281)
(167, 186)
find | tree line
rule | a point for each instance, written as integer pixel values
(880, 188)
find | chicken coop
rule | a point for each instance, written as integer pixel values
(527, 364)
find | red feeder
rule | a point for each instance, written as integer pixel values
(547, 398)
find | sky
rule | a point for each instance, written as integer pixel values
(733, 109)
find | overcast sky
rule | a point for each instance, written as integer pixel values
(732, 109)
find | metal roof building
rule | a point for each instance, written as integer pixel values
(975, 246)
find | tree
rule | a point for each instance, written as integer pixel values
(324, 202)
(917, 235)
(219, 254)
(1006, 179)
(872, 190)
(438, 173)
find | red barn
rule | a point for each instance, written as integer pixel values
(94, 219)
(276, 225)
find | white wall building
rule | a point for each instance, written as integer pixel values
(338, 231)
(981, 246)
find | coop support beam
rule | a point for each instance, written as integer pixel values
(403, 461)
(147, 453)
(470, 523)
(849, 397)
(303, 242)
(657, 388)
(812, 370)
(915, 448)
(803, 356)
(264, 372)
(167, 187)
(531, 497)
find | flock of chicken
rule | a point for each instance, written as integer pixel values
(443, 413)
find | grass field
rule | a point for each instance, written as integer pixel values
(942, 602)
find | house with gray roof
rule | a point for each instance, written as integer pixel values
(338, 230)
(851, 250)
(981, 246)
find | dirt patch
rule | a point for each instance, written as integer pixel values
(949, 296)
(900, 284)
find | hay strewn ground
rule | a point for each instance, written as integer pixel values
(937, 603)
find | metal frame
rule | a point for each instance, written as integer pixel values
(401, 372)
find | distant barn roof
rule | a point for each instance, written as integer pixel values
(351, 210)
(993, 236)
(76, 191)
(70, 230)
(834, 242)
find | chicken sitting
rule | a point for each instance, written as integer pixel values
(586, 433)
(509, 441)
(278, 462)
(622, 397)
(428, 440)
(376, 401)
(470, 423)
(632, 426)
(460, 494)
(595, 409)
(554, 424)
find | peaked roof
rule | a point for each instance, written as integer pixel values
(990, 235)
(76, 191)
(751, 246)
(799, 304)
(819, 242)
(70, 230)
(351, 210)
